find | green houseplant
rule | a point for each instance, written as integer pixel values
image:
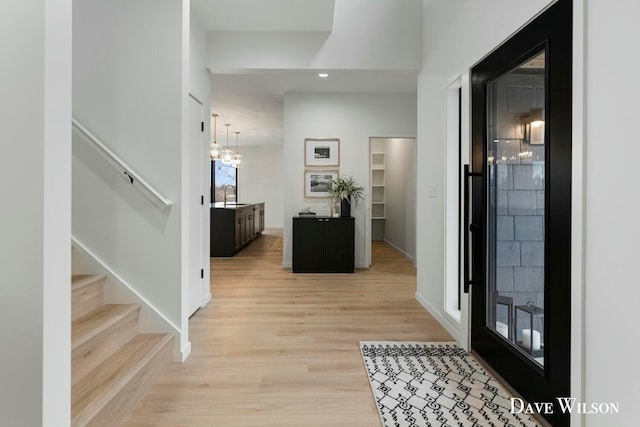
(345, 190)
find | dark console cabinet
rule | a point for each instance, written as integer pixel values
(323, 244)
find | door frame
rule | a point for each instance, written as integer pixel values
(552, 30)
(196, 209)
(456, 154)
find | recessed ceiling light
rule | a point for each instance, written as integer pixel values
(323, 75)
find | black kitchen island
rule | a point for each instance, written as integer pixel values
(234, 226)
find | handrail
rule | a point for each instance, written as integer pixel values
(125, 171)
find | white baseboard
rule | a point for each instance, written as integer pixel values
(186, 351)
(455, 333)
(409, 257)
(287, 265)
(206, 300)
(118, 291)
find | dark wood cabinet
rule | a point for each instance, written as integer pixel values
(235, 226)
(238, 228)
(259, 218)
(323, 244)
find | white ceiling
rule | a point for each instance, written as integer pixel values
(256, 114)
(281, 81)
(265, 15)
(252, 100)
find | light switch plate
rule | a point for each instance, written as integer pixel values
(432, 190)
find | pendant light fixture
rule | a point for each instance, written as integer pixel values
(227, 154)
(215, 148)
(237, 159)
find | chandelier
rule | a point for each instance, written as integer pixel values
(237, 159)
(215, 148)
(227, 153)
(226, 156)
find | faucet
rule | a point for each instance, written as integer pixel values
(225, 193)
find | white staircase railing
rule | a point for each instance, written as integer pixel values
(124, 170)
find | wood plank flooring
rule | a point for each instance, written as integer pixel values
(275, 348)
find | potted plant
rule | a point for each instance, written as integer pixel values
(345, 190)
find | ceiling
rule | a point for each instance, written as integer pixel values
(252, 100)
(281, 81)
(265, 15)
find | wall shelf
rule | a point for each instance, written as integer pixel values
(378, 190)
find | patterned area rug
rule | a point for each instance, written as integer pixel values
(435, 384)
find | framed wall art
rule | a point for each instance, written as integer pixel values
(321, 152)
(316, 182)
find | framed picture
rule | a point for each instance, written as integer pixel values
(321, 152)
(316, 182)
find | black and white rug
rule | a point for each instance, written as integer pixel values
(435, 384)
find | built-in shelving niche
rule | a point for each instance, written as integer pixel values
(378, 185)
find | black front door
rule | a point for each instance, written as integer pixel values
(520, 226)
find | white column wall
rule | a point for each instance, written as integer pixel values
(35, 219)
(200, 88)
(612, 209)
(199, 76)
(353, 118)
(130, 89)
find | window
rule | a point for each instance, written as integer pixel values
(454, 159)
(221, 176)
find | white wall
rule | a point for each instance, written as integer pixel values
(365, 35)
(456, 36)
(353, 118)
(260, 179)
(612, 209)
(35, 219)
(129, 89)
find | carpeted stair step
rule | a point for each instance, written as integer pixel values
(99, 334)
(111, 390)
(87, 294)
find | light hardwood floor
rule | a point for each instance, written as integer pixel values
(275, 348)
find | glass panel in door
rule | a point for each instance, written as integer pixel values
(516, 207)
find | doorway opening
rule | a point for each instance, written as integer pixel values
(392, 195)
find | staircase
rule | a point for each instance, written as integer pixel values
(112, 365)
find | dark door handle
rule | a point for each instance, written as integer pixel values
(473, 228)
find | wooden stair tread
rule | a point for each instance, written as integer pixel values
(112, 365)
(79, 281)
(98, 320)
(104, 383)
